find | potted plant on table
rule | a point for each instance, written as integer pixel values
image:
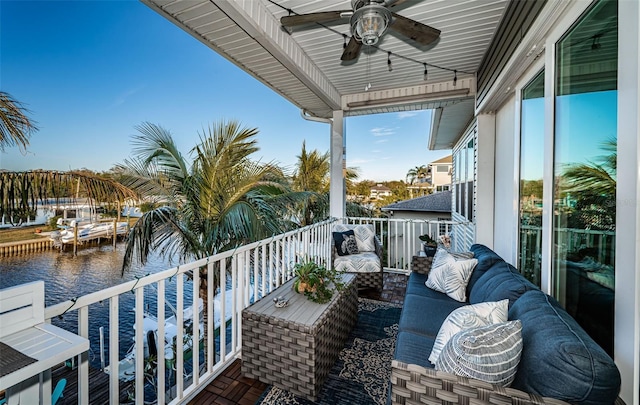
(429, 245)
(316, 281)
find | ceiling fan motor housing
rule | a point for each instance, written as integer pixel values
(369, 21)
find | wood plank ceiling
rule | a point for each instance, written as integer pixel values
(305, 67)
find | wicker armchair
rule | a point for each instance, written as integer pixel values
(366, 265)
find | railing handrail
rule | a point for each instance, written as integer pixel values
(95, 297)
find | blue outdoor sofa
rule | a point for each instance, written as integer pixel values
(559, 362)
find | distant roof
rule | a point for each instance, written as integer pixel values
(437, 202)
(380, 187)
(446, 159)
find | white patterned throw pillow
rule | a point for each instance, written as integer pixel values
(449, 275)
(467, 317)
(489, 353)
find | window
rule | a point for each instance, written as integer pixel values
(464, 160)
(531, 163)
(584, 232)
(442, 169)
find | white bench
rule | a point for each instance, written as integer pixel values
(22, 327)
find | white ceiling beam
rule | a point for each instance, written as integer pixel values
(254, 19)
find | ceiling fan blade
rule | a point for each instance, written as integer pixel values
(393, 3)
(324, 16)
(352, 50)
(415, 30)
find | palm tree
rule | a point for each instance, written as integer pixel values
(594, 186)
(312, 171)
(311, 176)
(598, 178)
(220, 201)
(418, 172)
(15, 126)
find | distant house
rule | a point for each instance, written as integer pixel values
(436, 206)
(438, 178)
(379, 191)
(433, 207)
(441, 170)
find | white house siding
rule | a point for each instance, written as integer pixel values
(506, 183)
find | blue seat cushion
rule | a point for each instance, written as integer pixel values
(415, 284)
(559, 359)
(486, 258)
(501, 281)
(413, 349)
(425, 315)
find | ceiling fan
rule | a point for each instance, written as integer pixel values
(369, 20)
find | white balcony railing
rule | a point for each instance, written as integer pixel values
(235, 279)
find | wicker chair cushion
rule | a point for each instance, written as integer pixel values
(363, 262)
(425, 315)
(467, 317)
(489, 353)
(502, 281)
(365, 235)
(449, 275)
(559, 359)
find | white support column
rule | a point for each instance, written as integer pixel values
(337, 188)
(627, 304)
(485, 172)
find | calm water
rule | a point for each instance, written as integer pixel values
(93, 269)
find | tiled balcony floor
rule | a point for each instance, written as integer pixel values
(232, 388)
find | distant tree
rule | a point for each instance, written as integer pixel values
(361, 189)
(312, 171)
(15, 126)
(418, 172)
(311, 175)
(531, 188)
(399, 189)
(593, 187)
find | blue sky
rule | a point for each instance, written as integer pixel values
(90, 71)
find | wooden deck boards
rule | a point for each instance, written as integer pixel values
(232, 388)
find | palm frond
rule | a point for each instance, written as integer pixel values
(15, 126)
(24, 190)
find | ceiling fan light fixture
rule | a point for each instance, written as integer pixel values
(369, 23)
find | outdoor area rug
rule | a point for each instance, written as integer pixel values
(362, 372)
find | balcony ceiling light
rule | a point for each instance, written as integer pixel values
(369, 23)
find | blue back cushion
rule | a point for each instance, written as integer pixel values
(486, 258)
(501, 281)
(559, 359)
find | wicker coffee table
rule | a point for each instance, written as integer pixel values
(295, 347)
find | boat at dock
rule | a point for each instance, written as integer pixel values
(88, 231)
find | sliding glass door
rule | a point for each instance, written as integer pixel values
(584, 181)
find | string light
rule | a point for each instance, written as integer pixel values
(344, 45)
(389, 61)
(455, 77)
(425, 72)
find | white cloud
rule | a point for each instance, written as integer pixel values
(376, 151)
(382, 131)
(407, 114)
(122, 98)
(382, 141)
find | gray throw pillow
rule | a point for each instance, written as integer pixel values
(489, 353)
